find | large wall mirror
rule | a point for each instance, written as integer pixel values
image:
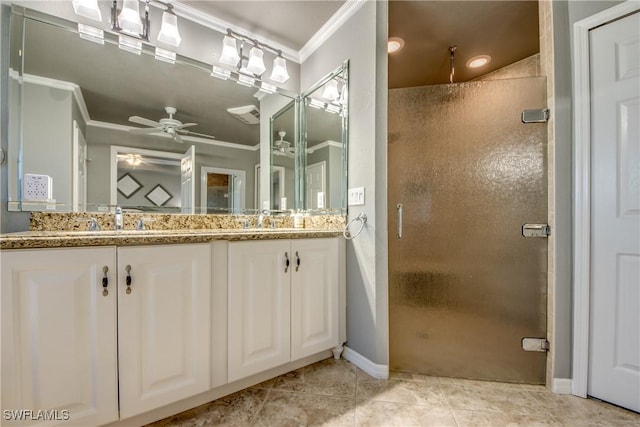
(284, 143)
(325, 119)
(81, 118)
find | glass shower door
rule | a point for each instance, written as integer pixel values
(465, 285)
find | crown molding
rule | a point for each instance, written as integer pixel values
(338, 19)
(342, 15)
(125, 128)
(325, 144)
(220, 25)
(62, 85)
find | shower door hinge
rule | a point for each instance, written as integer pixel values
(540, 115)
(535, 344)
(536, 230)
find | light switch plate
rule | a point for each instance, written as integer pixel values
(356, 196)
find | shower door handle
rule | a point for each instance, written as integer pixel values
(399, 207)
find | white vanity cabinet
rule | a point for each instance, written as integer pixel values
(283, 302)
(66, 346)
(163, 325)
(59, 343)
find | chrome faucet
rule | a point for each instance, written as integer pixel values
(118, 219)
(263, 213)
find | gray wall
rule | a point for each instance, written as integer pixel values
(170, 181)
(565, 14)
(362, 40)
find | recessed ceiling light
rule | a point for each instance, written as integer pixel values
(394, 44)
(478, 61)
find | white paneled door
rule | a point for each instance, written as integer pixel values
(259, 306)
(59, 336)
(163, 325)
(614, 342)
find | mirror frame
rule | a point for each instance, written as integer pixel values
(302, 120)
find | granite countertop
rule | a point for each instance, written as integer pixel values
(56, 239)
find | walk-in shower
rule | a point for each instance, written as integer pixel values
(464, 175)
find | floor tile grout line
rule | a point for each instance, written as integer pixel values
(264, 401)
(446, 399)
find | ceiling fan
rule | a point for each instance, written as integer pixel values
(173, 127)
(282, 146)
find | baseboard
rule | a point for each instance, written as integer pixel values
(561, 385)
(380, 372)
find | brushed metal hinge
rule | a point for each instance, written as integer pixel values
(535, 344)
(536, 230)
(540, 115)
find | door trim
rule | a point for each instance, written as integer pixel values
(582, 188)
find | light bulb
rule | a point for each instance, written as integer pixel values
(279, 73)
(169, 33)
(229, 54)
(256, 64)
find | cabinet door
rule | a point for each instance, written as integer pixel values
(163, 325)
(59, 335)
(259, 310)
(314, 296)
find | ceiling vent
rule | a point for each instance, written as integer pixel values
(249, 114)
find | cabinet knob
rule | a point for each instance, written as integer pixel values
(128, 279)
(105, 281)
(286, 263)
(297, 261)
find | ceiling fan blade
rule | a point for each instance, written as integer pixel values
(186, 125)
(146, 130)
(202, 135)
(143, 121)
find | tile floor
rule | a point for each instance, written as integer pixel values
(336, 393)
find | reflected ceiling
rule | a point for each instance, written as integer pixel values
(505, 30)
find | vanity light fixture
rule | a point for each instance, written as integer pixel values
(333, 108)
(90, 33)
(165, 55)
(256, 64)
(88, 9)
(316, 104)
(279, 73)
(220, 73)
(130, 45)
(268, 87)
(169, 33)
(330, 91)
(245, 80)
(252, 64)
(478, 61)
(229, 54)
(129, 20)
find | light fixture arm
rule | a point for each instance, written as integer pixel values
(254, 42)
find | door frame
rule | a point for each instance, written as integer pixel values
(582, 188)
(205, 170)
